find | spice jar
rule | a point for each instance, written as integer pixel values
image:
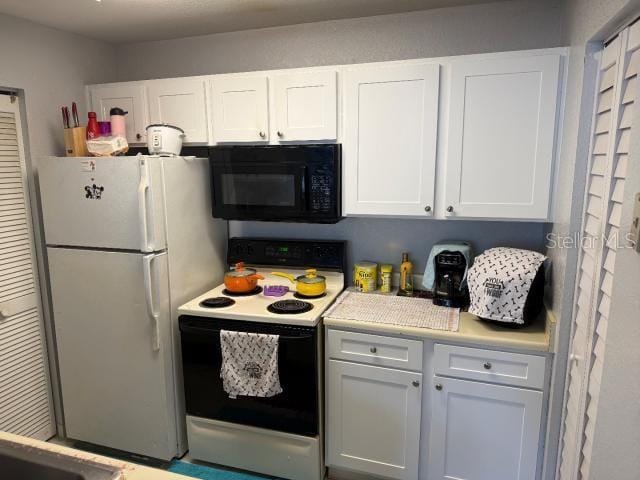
(386, 272)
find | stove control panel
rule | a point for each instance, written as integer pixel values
(320, 254)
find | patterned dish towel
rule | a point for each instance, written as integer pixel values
(249, 364)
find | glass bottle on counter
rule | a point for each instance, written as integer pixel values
(406, 277)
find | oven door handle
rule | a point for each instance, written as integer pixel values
(191, 329)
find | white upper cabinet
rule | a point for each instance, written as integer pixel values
(500, 145)
(180, 102)
(240, 106)
(390, 132)
(131, 97)
(306, 106)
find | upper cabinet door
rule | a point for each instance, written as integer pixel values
(306, 106)
(180, 102)
(240, 109)
(500, 149)
(390, 131)
(131, 98)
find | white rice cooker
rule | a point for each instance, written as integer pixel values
(163, 139)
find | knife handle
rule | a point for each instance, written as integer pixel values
(65, 117)
(74, 111)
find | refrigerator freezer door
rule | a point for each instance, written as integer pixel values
(112, 320)
(114, 202)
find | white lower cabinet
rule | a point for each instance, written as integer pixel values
(481, 431)
(373, 419)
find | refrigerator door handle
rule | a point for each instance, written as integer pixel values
(143, 188)
(147, 262)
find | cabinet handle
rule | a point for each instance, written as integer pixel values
(280, 134)
(450, 209)
(487, 365)
(138, 136)
(262, 134)
(438, 386)
(427, 208)
(415, 383)
(373, 349)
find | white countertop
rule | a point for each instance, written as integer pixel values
(535, 337)
(128, 471)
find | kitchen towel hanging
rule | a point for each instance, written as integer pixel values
(249, 364)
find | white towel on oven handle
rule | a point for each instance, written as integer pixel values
(249, 364)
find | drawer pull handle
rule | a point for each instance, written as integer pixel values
(438, 386)
(487, 366)
(373, 349)
(415, 383)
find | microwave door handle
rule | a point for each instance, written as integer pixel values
(147, 261)
(304, 188)
(143, 189)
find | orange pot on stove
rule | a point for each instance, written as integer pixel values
(241, 279)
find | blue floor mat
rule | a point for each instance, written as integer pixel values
(210, 473)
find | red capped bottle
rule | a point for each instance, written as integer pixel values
(93, 129)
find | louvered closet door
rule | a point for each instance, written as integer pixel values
(609, 156)
(25, 400)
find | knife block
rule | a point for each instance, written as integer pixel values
(75, 142)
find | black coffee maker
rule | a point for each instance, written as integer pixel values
(449, 289)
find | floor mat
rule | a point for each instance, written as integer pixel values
(210, 473)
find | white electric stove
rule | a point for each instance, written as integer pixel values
(280, 436)
(259, 307)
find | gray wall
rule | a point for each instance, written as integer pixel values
(384, 240)
(513, 25)
(52, 67)
(615, 446)
(588, 23)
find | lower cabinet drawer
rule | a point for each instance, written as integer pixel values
(373, 419)
(375, 349)
(490, 366)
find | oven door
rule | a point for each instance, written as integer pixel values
(254, 190)
(295, 410)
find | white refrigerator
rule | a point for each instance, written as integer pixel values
(129, 239)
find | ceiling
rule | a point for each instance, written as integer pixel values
(124, 21)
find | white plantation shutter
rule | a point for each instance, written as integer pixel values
(25, 400)
(613, 122)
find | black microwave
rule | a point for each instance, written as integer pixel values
(292, 183)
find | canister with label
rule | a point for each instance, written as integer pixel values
(386, 272)
(365, 276)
